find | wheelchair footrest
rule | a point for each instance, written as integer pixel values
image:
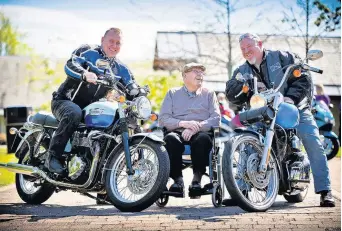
(174, 194)
(197, 193)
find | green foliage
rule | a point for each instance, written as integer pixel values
(42, 76)
(159, 85)
(331, 18)
(10, 39)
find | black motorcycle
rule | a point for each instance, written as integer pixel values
(102, 156)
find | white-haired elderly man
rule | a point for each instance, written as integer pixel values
(188, 113)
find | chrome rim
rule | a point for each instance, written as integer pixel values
(28, 186)
(260, 190)
(145, 163)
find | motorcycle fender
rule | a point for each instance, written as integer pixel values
(150, 136)
(27, 134)
(242, 130)
(330, 134)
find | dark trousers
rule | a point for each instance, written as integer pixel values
(69, 116)
(200, 143)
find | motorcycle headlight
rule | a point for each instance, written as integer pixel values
(142, 107)
(257, 101)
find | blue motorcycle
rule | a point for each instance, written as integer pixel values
(325, 122)
(103, 156)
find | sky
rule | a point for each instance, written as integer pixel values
(55, 28)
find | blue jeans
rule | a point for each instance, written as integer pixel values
(309, 134)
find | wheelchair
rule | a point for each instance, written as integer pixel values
(215, 187)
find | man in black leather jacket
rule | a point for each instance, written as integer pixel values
(267, 66)
(80, 89)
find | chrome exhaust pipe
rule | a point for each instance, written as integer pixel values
(20, 168)
(34, 171)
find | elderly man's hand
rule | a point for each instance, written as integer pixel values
(193, 125)
(187, 134)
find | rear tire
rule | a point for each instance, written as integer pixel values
(335, 147)
(153, 191)
(33, 194)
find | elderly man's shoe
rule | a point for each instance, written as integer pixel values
(178, 186)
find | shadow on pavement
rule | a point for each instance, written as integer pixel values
(51, 211)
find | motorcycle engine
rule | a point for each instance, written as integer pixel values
(75, 167)
(299, 172)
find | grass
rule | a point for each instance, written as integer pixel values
(6, 177)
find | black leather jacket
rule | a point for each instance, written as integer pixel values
(86, 58)
(297, 89)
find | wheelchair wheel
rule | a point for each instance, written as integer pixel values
(162, 201)
(216, 197)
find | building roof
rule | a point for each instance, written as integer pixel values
(174, 49)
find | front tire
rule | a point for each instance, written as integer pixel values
(148, 182)
(241, 178)
(26, 186)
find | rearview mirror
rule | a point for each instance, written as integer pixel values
(314, 55)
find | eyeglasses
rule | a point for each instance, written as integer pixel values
(248, 35)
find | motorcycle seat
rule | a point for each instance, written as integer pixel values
(45, 119)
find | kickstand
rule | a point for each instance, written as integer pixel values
(95, 198)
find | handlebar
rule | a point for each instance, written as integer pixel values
(313, 69)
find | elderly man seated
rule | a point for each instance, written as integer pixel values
(188, 113)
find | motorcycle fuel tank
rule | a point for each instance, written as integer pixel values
(287, 116)
(100, 114)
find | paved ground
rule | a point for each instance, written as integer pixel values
(70, 211)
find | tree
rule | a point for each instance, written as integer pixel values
(311, 13)
(331, 18)
(10, 44)
(159, 85)
(222, 16)
(10, 38)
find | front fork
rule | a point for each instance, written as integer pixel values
(125, 137)
(269, 137)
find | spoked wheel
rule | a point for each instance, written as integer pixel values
(253, 191)
(32, 190)
(133, 193)
(216, 197)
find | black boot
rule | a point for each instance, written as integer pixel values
(327, 199)
(196, 181)
(53, 164)
(178, 185)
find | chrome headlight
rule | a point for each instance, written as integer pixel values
(142, 107)
(257, 101)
